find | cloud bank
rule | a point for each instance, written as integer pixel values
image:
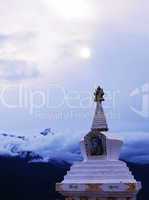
(58, 146)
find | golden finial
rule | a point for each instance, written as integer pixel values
(99, 93)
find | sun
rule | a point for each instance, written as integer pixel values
(85, 53)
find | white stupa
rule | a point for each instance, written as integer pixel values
(101, 175)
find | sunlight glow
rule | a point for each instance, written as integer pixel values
(85, 53)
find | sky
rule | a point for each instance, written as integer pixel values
(53, 54)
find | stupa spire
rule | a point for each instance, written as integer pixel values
(99, 120)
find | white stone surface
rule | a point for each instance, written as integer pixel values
(99, 120)
(101, 178)
(99, 172)
(106, 172)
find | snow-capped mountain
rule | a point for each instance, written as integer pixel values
(47, 145)
(40, 147)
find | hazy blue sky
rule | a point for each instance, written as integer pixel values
(54, 53)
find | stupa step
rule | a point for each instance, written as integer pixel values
(93, 166)
(104, 163)
(102, 170)
(99, 173)
(97, 167)
(104, 181)
(109, 180)
(99, 177)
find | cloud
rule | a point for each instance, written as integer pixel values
(16, 61)
(136, 152)
(17, 46)
(17, 70)
(33, 31)
(135, 148)
(54, 146)
(50, 33)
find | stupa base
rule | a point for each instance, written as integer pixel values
(99, 180)
(99, 198)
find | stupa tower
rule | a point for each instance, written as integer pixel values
(101, 175)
